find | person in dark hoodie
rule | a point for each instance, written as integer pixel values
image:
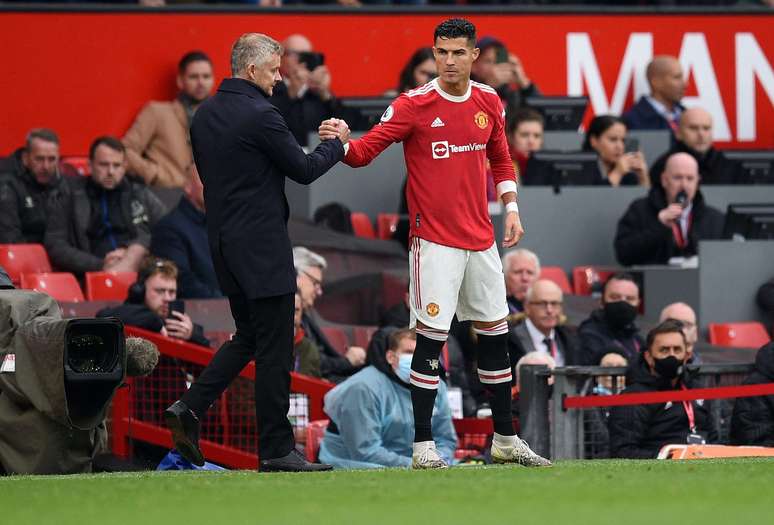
(639, 431)
(372, 424)
(149, 304)
(752, 422)
(611, 328)
(670, 221)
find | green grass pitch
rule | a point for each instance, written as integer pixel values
(702, 492)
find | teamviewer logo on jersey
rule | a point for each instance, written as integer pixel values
(440, 149)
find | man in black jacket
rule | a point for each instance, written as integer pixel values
(611, 328)
(30, 183)
(694, 136)
(670, 221)
(752, 422)
(149, 302)
(244, 152)
(639, 431)
(181, 237)
(104, 221)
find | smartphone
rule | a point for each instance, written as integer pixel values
(501, 55)
(631, 145)
(311, 60)
(176, 306)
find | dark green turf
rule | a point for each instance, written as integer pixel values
(701, 492)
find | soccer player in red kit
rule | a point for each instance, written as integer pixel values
(449, 127)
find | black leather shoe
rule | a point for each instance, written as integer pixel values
(293, 462)
(185, 431)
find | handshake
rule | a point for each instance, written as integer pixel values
(334, 128)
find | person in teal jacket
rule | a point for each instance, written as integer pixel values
(372, 424)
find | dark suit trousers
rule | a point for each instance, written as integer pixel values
(264, 332)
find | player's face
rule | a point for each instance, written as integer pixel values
(454, 58)
(528, 137)
(266, 75)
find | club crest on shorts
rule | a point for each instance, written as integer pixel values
(481, 119)
(433, 309)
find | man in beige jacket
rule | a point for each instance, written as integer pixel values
(158, 145)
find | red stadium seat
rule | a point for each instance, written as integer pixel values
(742, 335)
(362, 225)
(337, 338)
(386, 223)
(80, 164)
(61, 286)
(314, 436)
(584, 277)
(108, 286)
(362, 335)
(17, 259)
(557, 275)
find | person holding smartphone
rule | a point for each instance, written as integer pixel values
(502, 70)
(620, 161)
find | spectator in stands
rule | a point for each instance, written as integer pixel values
(534, 358)
(606, 137)
(305, 353)
(684, 314)
(670, 221)
(639, 431)
(541, 330)
(104, 221)
(525, 137)
(611, 328)
(29, 189)
(333, 366)
(694, 136)
(752, 422)
(662, 108)
(608, 385)
(149, 304)
(522, 269)
(181, 237)
(372, 424)
(418, 71)
(304, 97)
(158, 144)
(503, 71)
(765, 299)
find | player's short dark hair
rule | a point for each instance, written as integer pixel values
(670, 326)
(620, 276)
(523, 115)
(456, 28)
(399, 335)
(106, 140)
(190, 58)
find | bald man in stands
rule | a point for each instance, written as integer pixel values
(694, 136)
(668, 224)
(685, 314)
(662, 108)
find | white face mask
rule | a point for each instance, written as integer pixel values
(403, 371)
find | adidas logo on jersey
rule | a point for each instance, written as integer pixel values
(437, 123)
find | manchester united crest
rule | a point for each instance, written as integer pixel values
(432, 309)
(482, 120)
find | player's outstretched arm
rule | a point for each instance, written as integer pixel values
(395, 125)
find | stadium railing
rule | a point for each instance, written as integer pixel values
(569, 419)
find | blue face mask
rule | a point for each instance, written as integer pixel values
(404, 367)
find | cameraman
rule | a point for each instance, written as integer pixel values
(151, 304)
(304, 96)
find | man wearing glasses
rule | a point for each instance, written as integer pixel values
(541, 330)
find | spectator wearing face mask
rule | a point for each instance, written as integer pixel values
(611, 328)
(639, 431)
(372, 424)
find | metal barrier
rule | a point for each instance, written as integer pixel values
(561, 430)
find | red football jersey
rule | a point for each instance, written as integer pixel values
(446, 142)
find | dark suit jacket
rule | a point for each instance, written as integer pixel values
(714, 167)
(643, 115)
(520, 344)
(244, 150)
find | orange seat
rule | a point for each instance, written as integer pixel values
(80, 164)
(386, 224)
(314, 436)
(584, 277)
(362, 225)
(17, 259)
(362, 335)
(108, 286)
(337, 338)
(61, 286)
(742, 335)
(712, 451)
(557, 275)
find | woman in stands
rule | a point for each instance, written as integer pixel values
(418, 71)
(617, 166)
(525, 137)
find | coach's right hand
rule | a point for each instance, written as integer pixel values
(334, 129)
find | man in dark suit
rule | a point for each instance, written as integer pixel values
(541, 331)
(662, 108)
(244, 150)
